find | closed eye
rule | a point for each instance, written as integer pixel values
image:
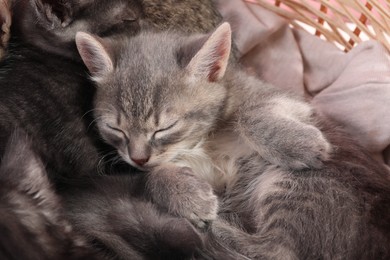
(119, 131)
(164, 129)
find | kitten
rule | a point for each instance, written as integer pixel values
(172, 118)
(46, 93)
(44, 87)
(102, 218)
(173, 105)
(341, 211)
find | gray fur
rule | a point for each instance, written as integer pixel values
(284, 192)
(178, 99)
(32, 221)
(52, 25)
(97, 218)
(46, 92)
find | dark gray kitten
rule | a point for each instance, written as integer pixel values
(173, 105)
(52, 25)
(102, 218)
(32, 222)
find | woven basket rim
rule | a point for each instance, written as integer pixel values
(343, 22)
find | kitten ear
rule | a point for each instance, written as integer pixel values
(212, 59)
(94, 55)
(55, 13)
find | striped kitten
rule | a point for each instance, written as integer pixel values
(43, 84)
(181, 109)
(173, 106)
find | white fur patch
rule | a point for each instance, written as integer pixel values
(290, 108)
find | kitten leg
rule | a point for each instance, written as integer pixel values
(282, 131)
(179, 192)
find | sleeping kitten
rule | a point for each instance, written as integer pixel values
(44, 88)
(170, 108)
(172, 105)
(45, 92)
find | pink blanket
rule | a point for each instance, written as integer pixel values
(352, 88)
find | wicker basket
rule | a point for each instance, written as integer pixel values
(343, 22)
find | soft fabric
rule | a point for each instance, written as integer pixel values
(352, 88)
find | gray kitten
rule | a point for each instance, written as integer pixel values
(187, 115)
(101, 218)
(45, 90)
(173, 105)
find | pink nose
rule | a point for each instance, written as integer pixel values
(141, 161)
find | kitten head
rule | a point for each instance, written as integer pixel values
(158, 95)
(52, 25)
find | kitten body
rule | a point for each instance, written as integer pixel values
(32, 221)
(97, 218)
(189, 108)
(45, 92)
(198, 124)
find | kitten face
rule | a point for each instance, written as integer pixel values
(148, 105)
(152, 123)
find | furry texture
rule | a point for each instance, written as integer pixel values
(188, 103)
(32, 220)
(46, 93)
(283, 193)
(42, 61)
(100, 218)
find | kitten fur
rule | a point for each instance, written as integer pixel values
(44, 88)
(174, 106)
(102, 218)
(46, 93)
(31, 220)
(160, 118)
(52, 25)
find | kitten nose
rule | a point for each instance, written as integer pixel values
(141, 161)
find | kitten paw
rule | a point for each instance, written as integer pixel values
(305, 148)
(183, 194)
(195, 199)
